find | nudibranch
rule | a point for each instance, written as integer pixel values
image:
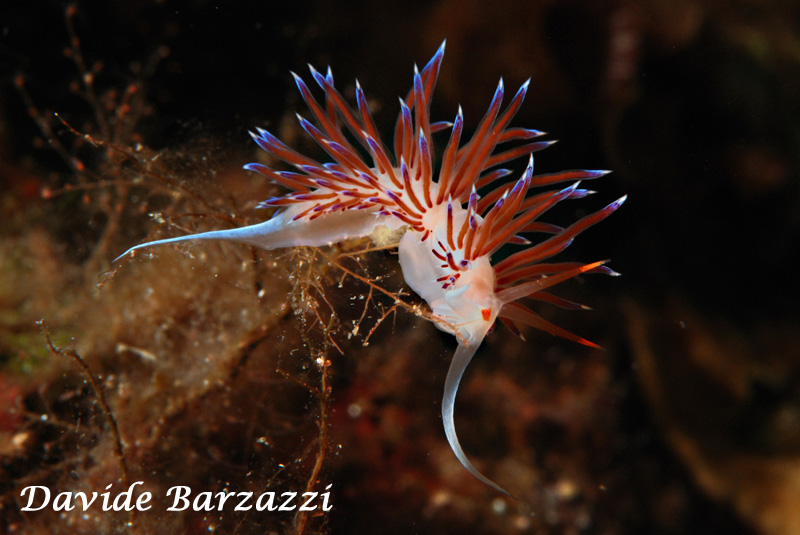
(449, 230)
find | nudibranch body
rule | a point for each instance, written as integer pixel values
(450, 231)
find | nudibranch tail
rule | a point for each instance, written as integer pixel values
(458, 365)
(451, 224)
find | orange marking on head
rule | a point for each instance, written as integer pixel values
(486, 313)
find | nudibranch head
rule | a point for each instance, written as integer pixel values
(454, 220)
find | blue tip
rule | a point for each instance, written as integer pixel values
(498, 93)
(529, 169)
(373, 145)
(405, 111)
(523, 90)
(616, 204)
(255, 167)
(317, 77)
(459, 122)
(437, 57)
(418, 83)
(299, 81)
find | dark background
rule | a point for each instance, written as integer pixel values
(693, 105)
